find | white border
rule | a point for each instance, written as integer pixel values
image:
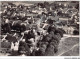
(79, 28)
(40, 57)
(39, 0)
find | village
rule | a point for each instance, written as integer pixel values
(39, 28)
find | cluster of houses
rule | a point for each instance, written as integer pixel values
(37, 19)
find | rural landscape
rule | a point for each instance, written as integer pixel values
(39, 28)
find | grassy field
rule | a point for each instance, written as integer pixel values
(68, 47)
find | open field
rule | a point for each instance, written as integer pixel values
(69, 46)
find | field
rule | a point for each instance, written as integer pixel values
(69, 46)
